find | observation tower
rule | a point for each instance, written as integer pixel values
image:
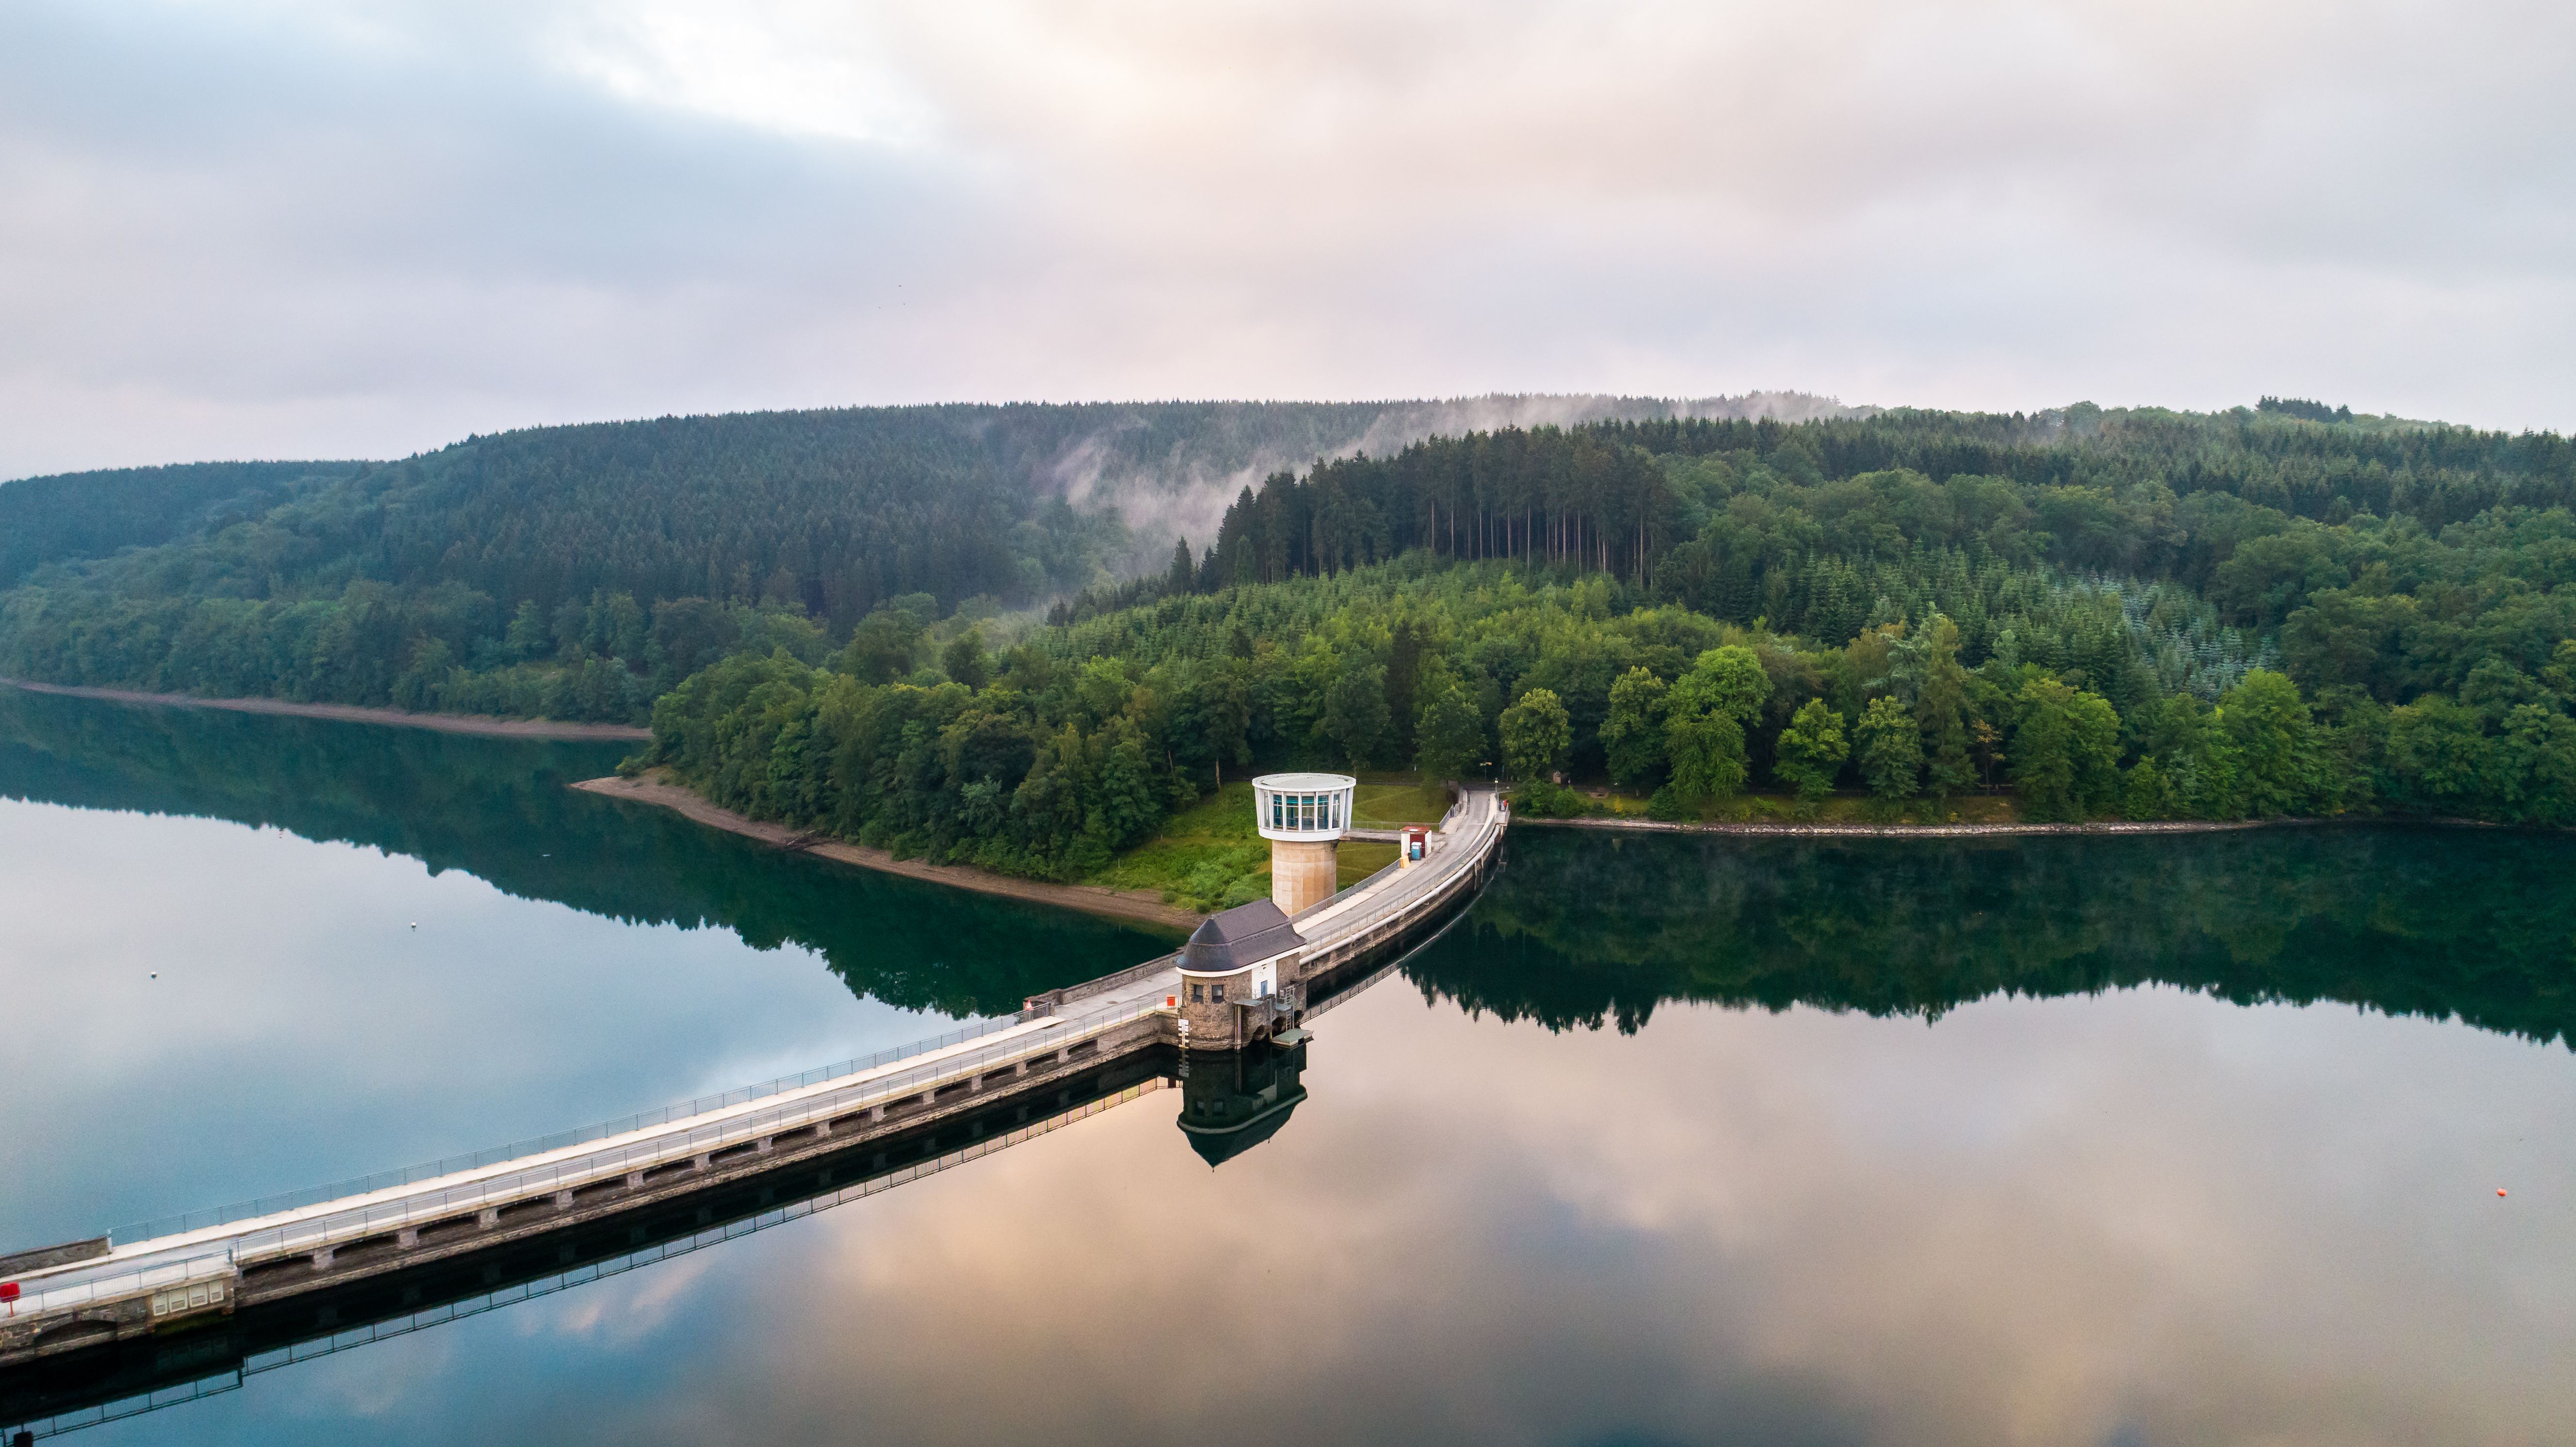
(1303, 816)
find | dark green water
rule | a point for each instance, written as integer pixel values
(1587, 929)
(498, 810)
(375, 946)
(2102, 1141)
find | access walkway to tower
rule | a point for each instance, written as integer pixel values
(66, 1299)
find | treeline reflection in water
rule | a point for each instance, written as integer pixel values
(499, 809)
(1585, 929)
(1588, 928)
(1953, 1207)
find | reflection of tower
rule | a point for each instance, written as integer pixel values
(1232, 1103)
(1303, 816)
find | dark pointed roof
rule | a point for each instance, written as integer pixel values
(1237, 938)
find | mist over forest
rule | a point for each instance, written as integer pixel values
(1094, 611)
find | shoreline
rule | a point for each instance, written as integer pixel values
(1929, 831)
(1133, 906)
(450, 723)
(2097, 826)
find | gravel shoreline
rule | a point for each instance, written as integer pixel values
(452, 723)
(1134, 906)
(1925, 831)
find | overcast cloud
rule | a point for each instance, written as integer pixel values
(298, 228)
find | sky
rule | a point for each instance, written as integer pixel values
(294, 228)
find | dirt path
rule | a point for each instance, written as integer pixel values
(453, 723)
(1128, 904)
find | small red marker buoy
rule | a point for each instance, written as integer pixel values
(2499, 1190)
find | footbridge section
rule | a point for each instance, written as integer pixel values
(863, 1119)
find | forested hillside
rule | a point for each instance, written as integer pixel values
(2273, 610)
(2334, 618)
(96, 514)
(531, 572)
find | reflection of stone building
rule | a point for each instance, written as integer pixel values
(1233, 1102)
(1239, 978)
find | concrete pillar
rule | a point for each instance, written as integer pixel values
(1302, 873)
(322, 1258)
(876, 1112)
(407, 1237)
(703, 1161)
(563, 1200)
(488, 1217)
(823, 1127)
(635, 1180)
(764, 1145)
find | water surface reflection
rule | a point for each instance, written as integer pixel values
(247, 954)
(2088, 1141)
(2140, 1217)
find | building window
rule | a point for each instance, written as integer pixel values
(1219, 987)
(1198, 993)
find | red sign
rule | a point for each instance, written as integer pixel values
(8, 1291)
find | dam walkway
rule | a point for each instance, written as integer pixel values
(174, 1273)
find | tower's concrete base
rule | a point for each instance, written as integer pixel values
(1302, 875)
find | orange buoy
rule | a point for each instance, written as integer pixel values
(2499, 1190)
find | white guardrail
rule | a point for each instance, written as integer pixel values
(270, 1205)
(106, 1282)
(810, 1097)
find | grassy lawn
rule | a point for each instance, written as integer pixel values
(1356, 860)
(1840, 809)
(1394, 799)
(1225, 814)
(1210, 857)
(1207, 857)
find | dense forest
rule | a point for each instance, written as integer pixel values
(531, 572)
(97, 514)
(2140, 615)
(2284, 609)
(1051, 757)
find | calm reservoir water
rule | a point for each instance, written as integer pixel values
(1667, 1141)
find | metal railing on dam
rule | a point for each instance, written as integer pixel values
(212, 1249)
(518, 1150)
(163, 1385)
(213, 1260)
